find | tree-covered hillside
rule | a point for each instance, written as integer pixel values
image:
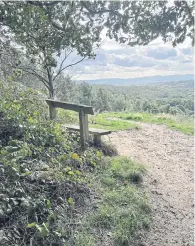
(174, 98)
(170, 97)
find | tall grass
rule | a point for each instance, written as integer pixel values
(123, 209)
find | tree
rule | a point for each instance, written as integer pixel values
(65, 89)
(119, 104)
(33, 27)
(9, 71)
(48, 30)
(85, 93)
(102, 102)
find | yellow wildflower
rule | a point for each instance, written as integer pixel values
(75, 156)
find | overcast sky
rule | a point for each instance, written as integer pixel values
(115, 60)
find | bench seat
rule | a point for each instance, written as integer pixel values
(91, 130)
(96, 132)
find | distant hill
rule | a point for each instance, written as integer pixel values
(155, 91)
(176, 97)
(143, 80)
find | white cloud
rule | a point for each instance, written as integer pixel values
(116, 60)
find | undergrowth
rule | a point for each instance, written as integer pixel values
(121, 209)
(51, 192)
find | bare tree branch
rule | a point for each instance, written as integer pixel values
(61, 65)
(33, 72)
(40, 77)
(70, 65)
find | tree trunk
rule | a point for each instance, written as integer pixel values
(52, 110)
(50, 80)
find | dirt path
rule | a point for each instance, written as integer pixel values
(168, 156)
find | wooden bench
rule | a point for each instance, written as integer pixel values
(83, 127)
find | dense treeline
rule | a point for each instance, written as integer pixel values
(171, 97)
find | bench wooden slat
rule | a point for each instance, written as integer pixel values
(91, 130)
(70, 106)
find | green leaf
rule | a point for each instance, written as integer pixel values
(44, 230)
(70, 201)
(71, 173)
(25, 174)
(58, 233)
(11, 149)
(48, 204)
(34, 224)
(52, 217)
(39, 228)
(78, 172)
(13, 143)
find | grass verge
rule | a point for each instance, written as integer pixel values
(104, 121)
(101, 121)
(178, 123)
(121, 209)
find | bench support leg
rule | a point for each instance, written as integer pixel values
(82, 129)
(86, 128)
(52, 112)
(97, 139)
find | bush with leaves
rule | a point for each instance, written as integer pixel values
(41, 171)
(48, 185)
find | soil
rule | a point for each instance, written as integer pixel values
(168, 158)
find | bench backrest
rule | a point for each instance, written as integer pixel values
(70, 106)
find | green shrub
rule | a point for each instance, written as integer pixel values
(126, 169)
(9, 129)
(42, 172)
(47, 179)
(124, 211)
(84, 239)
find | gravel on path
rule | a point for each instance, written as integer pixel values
(168, 157)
